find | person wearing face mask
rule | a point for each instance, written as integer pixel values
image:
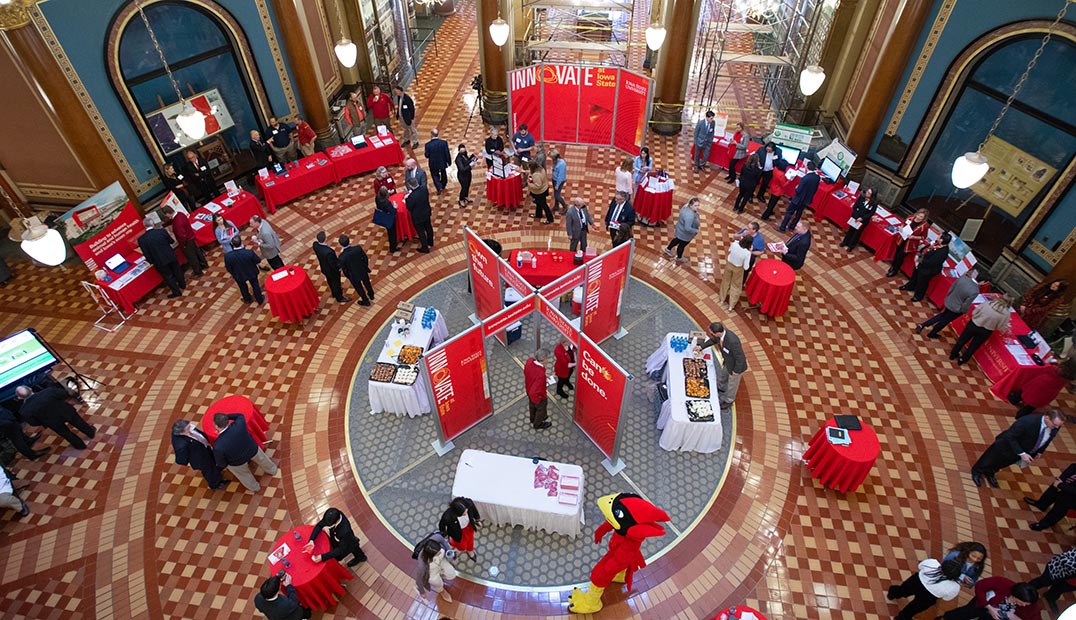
(458, 525)
(342, 539)
(433, 570)
(464, 161)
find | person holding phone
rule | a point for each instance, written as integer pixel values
(273, 606)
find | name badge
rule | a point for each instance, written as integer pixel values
(179, 176)
(203, 168)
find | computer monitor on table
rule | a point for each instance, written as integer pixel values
(830, 169)
(787, 153)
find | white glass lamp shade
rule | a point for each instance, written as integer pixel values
(346, 52)
(811, 79)
(192, 122)
(499, 31)
(655, 36)
(1068, 614)
(43, 244)
(968, 169)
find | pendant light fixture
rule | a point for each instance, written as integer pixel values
(40, 242)
(190, 120)
(499, 31)
(655, 36)
(346, 50)
(811, 79)
(969, 168)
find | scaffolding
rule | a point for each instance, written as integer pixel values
(591, 32)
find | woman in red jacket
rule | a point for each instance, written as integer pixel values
(919, 225)
(564, 366)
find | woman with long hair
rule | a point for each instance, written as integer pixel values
(224, 230)
(433, 570)
(641, 166)
(458, 525)
(862, 211)
(972, 556)
(624, 176)
(383, 204)
(986, 318)
(1040, 301)
(750, 175)
(920, 225)
(934, 580)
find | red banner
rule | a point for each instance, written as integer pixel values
(606, 277)
(560, 102)
(633, 92)
(515, 280)
(599, 393)
(485, 279)
(597, 98)
(564, 284)
(509, 315)
(525, 99)
(120, 236)
(559, 321)
(457, 369)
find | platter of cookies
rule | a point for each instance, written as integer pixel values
(405, 375)
(383, 373)
(695, 375)
(409, 354)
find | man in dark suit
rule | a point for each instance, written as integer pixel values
(197, 176)
(156, 246)
(802, 198)
(797, 246)
(342, 539)
(263, 155)
(49, 408)
(192, 448)
(929, 265)
(619, 219)
(414, 177)
(440, 159)
(1056, 500)
(418, 203)
(276, 607)
(1027, 438)
(330, 266)
(732, 362)
(242, 264)
(356, 266)
(234, 449)
(11, 428)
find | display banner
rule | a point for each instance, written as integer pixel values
(632, 105)
(498, 322)
(456, 369)
(525, 97)
(103, 225)
(793, 135)
(597, 101)
(560, 102)
(515, 280)
(485, 275)
(562, 323)
(564, 283)
(606, 278)
(599, 394)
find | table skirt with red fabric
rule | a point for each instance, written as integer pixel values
(888, 249)
(939, 287)
(721, 153)
(358, 161)
(843, 468)
(1015, 379)
(317, 584)
(836, 210)
(782, 185)
(246, 206)
(875, 236)
(547, 270)
(405, 228)
(257, 425)
(771, 284)
(740, 610)
(293, 298)
(277, 190)
(653, 206)
(134, 291)
(994, 359)
(506, 193)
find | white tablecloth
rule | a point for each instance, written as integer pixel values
(502, 487)
(678, 431)
(414, 400)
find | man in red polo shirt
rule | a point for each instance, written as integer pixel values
(537, 399)
(181, 228)
(380, 107)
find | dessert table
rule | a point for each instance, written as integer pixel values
(551, 265)
(129, 288)
(678, 431)
(236, 209)
(506, 193)
(291, 295)
(653, 200)
(771, 284)
(317, 584)
(843, 468)
(1002, 358)
(307, 175)
(405, 228)
(503, 489)
(412, 400)
(380, 151)
(257, 425)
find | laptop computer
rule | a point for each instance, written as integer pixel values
(117, 264)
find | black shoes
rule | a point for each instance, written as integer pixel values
(919, 328)
(344, 300)
(36, 454)
(917, 299)
(992, 480)
(543, 425)
(364, 303)
(905, 288)
(892, 272)
(358, 559)
(1034, 503)
(933, 336)
(977, 478)
(1038, 527)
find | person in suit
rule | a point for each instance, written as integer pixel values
(619, 219)
(537, 398)
(184, 234)
(1056, 500)
(388, 208)
(174, 183)
(704, 139)
(930, 263)
(802, 198)
(564, 366)
(440, 159)
(356, 266)
(797, 246)
(234, 450)
(578, 221)
(733, 362)
(268, 241)
(263, 155)
(863, 210)
(957, 302)
(197, 177)
(330, 266)
(767, 158)
(156, 246)
(405, 113)
(418, 204)
(11, 428)
(414, 177)
(273, 606)
(1026, 439)
(50, 408)
(342, 539)
(997, 592)
(464, 162)
(191, 447)
(242, 265)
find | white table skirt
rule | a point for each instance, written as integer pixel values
(502, 487)
(678, 431)
(411, 400)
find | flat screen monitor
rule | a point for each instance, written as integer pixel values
(21, 355)
(788, 154)
(830, 169)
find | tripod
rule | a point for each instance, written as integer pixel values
(476, 84)
(80, 377)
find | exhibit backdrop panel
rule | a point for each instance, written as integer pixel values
(599, 394)
(607, 275)
(633, 99)
(456, 369)
(101, 226)
(485, 275)
(560, 103)
(524, 101)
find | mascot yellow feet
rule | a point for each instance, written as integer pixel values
(621, 577)
(587, 602)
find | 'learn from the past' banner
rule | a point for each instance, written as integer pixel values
(599, 392)
(459, 382)
(605, 280)
(485, 276)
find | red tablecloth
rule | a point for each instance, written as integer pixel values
(1016, 379)
(293, 297)
(357, 161)
(939, 288)
(405, 228)
(994, 359)
(547, 270)
(782, 185)
(256, 422)
(506, 193)
(771, 284)
(245, 206)
(317, 584)
(299, 182)
(843, 468)
(653, 206)
(721, 152)
(887, 249)
(738, 611)
(132, 292)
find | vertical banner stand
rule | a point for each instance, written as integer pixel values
(440, 446)
(620, 331)
(614, 464)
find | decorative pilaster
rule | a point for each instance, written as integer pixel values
(311, 94)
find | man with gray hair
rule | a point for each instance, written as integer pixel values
(267, 241)
(192, 448)
(620, 218)
(537, 399)
(578, 221)
(50, 408)
(156, 246)
(413, 175)
(440, 159)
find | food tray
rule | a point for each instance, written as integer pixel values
(700, 411)
(383, 373)
(695, 378)
(409, 354)
(405, 375)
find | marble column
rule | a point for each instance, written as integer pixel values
(311, 95)
(674, 60)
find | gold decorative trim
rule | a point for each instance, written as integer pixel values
(920, 65)
(1044, 209)
(332, 82)
(63, 192)
(278, 57)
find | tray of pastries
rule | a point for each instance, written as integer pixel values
(406, 375)
(700, 411)
(383, 373)
(409, 354)
(695, 374)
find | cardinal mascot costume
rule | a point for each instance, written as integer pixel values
(632, 520)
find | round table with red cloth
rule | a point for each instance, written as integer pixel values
(506, 193)
(843, 468)
(257, 425)
(771, 284)
(652, 207)
(317, 584)
(738, 612)
(405, 228)
(293, 297)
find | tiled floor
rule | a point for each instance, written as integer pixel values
(120, 531)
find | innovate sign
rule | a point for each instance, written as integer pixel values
(456, 370)
(605, 280)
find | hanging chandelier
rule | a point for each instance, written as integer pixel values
(655, 36)
(41, 243)
(346, 50)
(811, 79)
(499, 30)
(190, 120)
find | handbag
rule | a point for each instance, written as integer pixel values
(384, 219)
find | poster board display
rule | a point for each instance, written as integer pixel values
(103, 225)
(162, 123)
(1014, 177)
(456, 369)
(599, 394)
(793, 135)
(606, 277)
(485, 275)
(839, 153)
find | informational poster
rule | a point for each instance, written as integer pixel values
(515, 280)
(599, 394)
(485, 275)
(102, 226)
(597, 100)
(549, 310)
(1014, 177)
(498, 322)
(162, 123)
(525, 100)
(721, 123)
(632, 105)
(606, 277)
(459, 382)
(793, 135)
(839, 153)
(560, 102)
